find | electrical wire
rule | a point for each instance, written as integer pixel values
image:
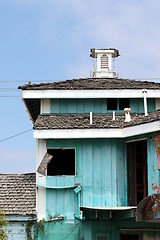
(32, 81)
(9, 96)
(5, 139)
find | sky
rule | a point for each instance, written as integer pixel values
(42, 41)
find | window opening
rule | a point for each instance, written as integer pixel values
(102, 238)
(112, 104)
(62, 163)
(129, 236)
(137, 172)
(124, 103)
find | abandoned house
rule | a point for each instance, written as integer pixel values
(18, 200)
(98, 154)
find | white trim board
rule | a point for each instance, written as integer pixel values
(121, 93)
(97, 133)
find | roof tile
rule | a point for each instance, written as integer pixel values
(18, 194)
(82, 121)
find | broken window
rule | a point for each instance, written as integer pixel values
(62, 163)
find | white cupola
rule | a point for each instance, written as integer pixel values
(104, 62)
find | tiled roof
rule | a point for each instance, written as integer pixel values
(18, 194)
(82, 121)
(93, 83)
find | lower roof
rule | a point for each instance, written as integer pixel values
(99, 121)
(65, 126)
(18, 194)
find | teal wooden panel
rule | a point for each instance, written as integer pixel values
(60, 202)
(87, 169)
(96, 167)
(54, 105)
(71, 106)
(96, 105)
(151, 104)
(121, 173)
(106, 170)
(153, 172)
(88, 106)
(114, 173)
(137, 105)
(78, 105)
(59, 231)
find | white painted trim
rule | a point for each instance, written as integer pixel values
(136, 140)
(41, 192)
(157, 103)
(110, 208)
(141, 129)
(97, 133)
(77, 133)
(45, 106)
(122, 93)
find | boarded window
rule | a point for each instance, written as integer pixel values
(62, 163)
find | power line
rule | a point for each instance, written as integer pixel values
(5, 139)
(9, 96)
(26, 81)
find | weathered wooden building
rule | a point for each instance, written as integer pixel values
(18, 201)
(95, 161)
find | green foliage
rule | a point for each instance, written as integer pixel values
(40, 226)
(29, 228)
(3, 223)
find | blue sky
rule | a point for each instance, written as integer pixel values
(50, 41)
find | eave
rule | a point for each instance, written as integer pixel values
(116, 93)
(97, 133)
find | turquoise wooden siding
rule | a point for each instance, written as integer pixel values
(91, 230)
(95, 105)
(101, 170)
(97, 164)
(60, 230)
(137, 105)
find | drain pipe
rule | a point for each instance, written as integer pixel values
(144, 91)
